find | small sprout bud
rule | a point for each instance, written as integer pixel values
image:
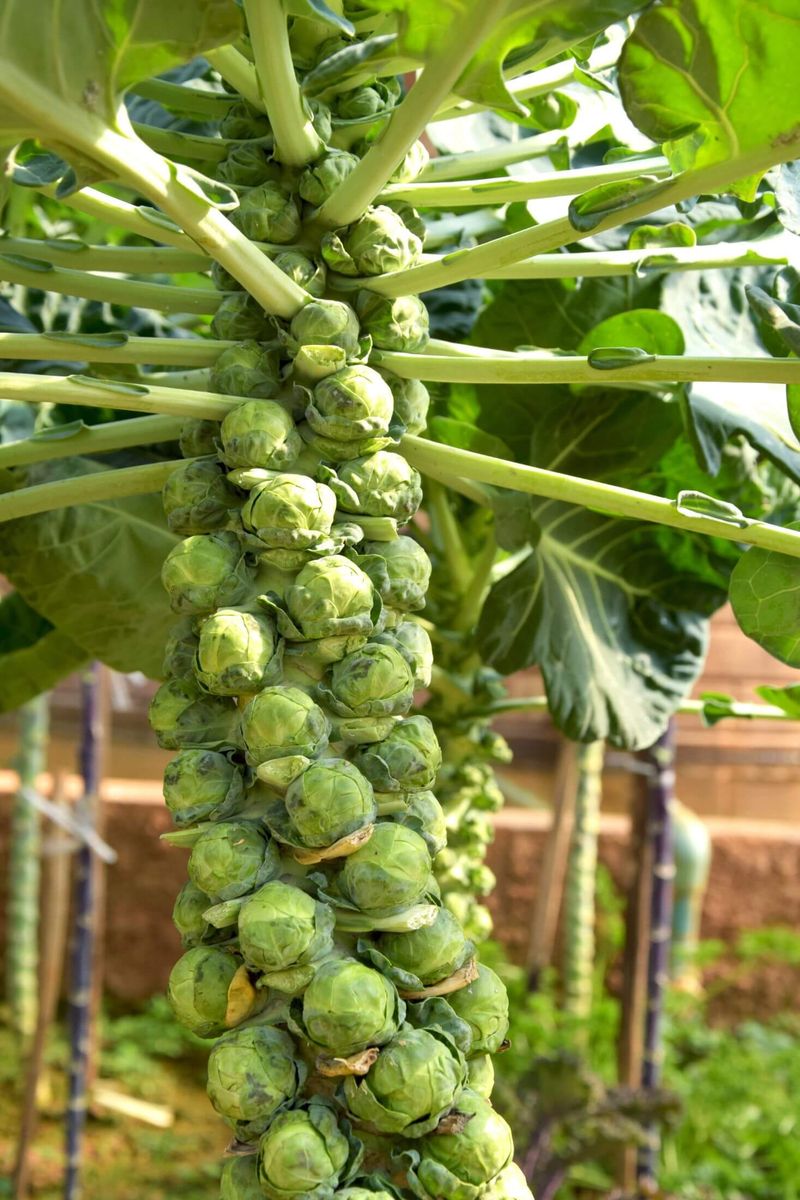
(259, 433)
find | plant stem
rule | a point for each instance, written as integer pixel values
(296, 140)
(750, 712)
(640, 262)
(175, 144)
(579, 894)
(493, 158)
(476, 225)
(147, 222)
(160, 296)
(119, 348)
(544, 368)
(436, 81)
(475, 593)
(503, 190)
(449, 464)
(185, 99)
(238, 72)
(86, 392)
(138, 260)
(525, 86)
(480, 261)
(22, 939)
(91, 440)
(448, 536)
(87, 489)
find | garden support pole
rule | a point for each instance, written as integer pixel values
(692, 866)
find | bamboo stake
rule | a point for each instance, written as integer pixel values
(554, 867)
(56, 855)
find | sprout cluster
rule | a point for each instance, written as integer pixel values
(322, 951)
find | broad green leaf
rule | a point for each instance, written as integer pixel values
(765, 595)
(64, 67)
(787, 698)
(715, 422)
(713, 81)
(644, 329)
(674, 233)
(466, 437)
(779, 315)
(34, 656)
(94, 572)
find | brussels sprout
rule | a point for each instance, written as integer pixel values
(238, 653)
(303, 1153)
(304, 271)
(457, 1166)
(290, 512)
(431, 953)
(400, 570)
(198, 989)
(184, 717)
(243, 121)
(510, 1184)
(223, 281)
(380, 485)
(202, 785)
(252, 1074)
(393, 323)
(281, 929)
(425, 816)
(247, 166)
(281, 721)
(371, 100)
(247, 369)
(327, 323)
(239, 1180)
(268, 213)
(231, 859)
(413, 641)
(259, 433)
(347, 1007)
(481, 1075)
(321, 120)
(410, 1087)
(411, 402)
(475, 919)
(205, 571)
(414, 163)
(350, 404)
(319, 181)
(371, 1187)
(330, 597)
(483, 1004)
(197, 498)
(330, 800)
(180, 649)
(378, 242)
(239, 318)
(390, 872)
(375, 680)
(406, 761)
(187, 916)
(198, 437)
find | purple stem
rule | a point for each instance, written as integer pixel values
(661, 794)
(82, 947)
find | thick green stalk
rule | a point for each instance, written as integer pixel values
(22, 938)
(550, 235)
(160, 296)
(478, 162)
(238, 72)
(86, 489)
(645, 261)
(545, 368)
(447, 534)
(579, 894)
(296, 140)
(501, 190)
(116, 348)
(452, 466)
(91, 440)
(145, 221)
(408, 121)
(137, 260)
(83, 391)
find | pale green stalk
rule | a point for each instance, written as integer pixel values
(93, 439)
(581, 883)
(22, 926)
(697, 708)
(480, 261)
(502, 190)
(296, 140)
(147, 222)
(196, 380)
(408, 121)
(175, 144)
(90, 393)
(163, 297)
(452, 466)
(589, 264)
(119, 348)
(447, 534)
(87, 489)
(136, 260)
(238, 72)
(522, 368)
(185, 98)
(493, 158)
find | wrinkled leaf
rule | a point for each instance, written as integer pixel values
(787, 698)
(765, 596)
(783, 317)
(34, 656)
